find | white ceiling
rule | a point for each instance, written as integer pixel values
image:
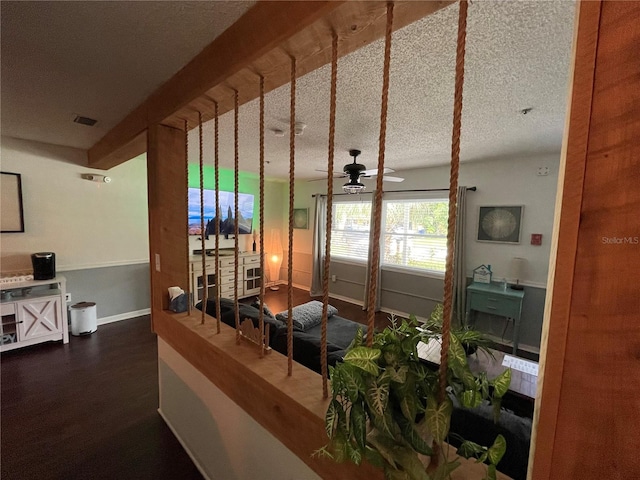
(518, 56)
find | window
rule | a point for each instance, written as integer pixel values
(415, 233)
(350, 230)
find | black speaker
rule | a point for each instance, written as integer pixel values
(44, 265)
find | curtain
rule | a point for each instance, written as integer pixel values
(319, 241)
(459, 264)
(369, 261)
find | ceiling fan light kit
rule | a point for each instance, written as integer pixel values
(353, 186)
(355, 171)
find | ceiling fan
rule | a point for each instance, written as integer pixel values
(355, 171)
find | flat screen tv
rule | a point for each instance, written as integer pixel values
(227, 210)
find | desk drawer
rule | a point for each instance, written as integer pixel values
(252, 260)
(495, 304)
(227, 291)
(224, 271)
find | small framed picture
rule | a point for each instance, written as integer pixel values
(11, 214)
(482, 274)
(501, 224)
(301, 218)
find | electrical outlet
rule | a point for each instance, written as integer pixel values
(67, 297)
(333, 278)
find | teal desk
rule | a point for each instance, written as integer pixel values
(493, 299)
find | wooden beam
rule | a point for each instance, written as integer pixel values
(260, 41)
(591, 371)
(261, 29)
(167, 198)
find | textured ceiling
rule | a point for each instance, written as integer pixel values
(95, 59)
(101, 59)
(518, 56)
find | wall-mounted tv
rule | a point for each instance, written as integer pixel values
(227, 210)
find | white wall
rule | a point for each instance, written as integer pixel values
(224, 442)
(86, 224)
(498, 182)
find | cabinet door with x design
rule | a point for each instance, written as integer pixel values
(39, 317)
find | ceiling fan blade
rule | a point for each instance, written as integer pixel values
(374, 171)
(334, 174)
(387, 178)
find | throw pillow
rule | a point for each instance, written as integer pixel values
(307, 315)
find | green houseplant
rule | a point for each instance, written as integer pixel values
(384, 403)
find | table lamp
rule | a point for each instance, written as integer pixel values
(516, 269)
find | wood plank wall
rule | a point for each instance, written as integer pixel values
(589, 411)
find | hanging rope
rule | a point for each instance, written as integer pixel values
(186, 189)
(205, 286)
(236, 165)
(327, 247)
(216, 161)
(261, 320)
(377, 218)
(453, 198)
(292, 164)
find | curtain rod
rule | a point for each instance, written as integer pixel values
(473, 189)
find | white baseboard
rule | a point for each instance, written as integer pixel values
(184, 446)
(124, 316)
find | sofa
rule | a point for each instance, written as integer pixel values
(307, 329)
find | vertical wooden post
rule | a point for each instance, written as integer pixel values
(588, 407)
(168, 238)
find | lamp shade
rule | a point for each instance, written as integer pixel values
(516, 269)
(274, 257)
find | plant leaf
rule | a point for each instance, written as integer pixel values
(439, 418)
(352, 381)
(398, 375)
(409, 460)
(491, 472)
(339, 447)
(412, 436)
(378, 397)
(373, 457)
(384, 446)
(357, 341)
(408, 406)
(354, 454)
(497, 450)
(469, 449)
(501, 383)
(331, 417)
(470, 399)
(364, 358)
(359, 425)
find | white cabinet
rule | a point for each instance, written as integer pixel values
(249, 276)
(33, 312)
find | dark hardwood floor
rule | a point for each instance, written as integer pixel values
(88, 410)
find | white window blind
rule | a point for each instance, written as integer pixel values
(350, 230)
(415, 233)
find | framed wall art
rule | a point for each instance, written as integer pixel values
(301, 218)
(500, 224)
(11, 214)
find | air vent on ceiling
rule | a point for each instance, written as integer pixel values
(85, 120)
